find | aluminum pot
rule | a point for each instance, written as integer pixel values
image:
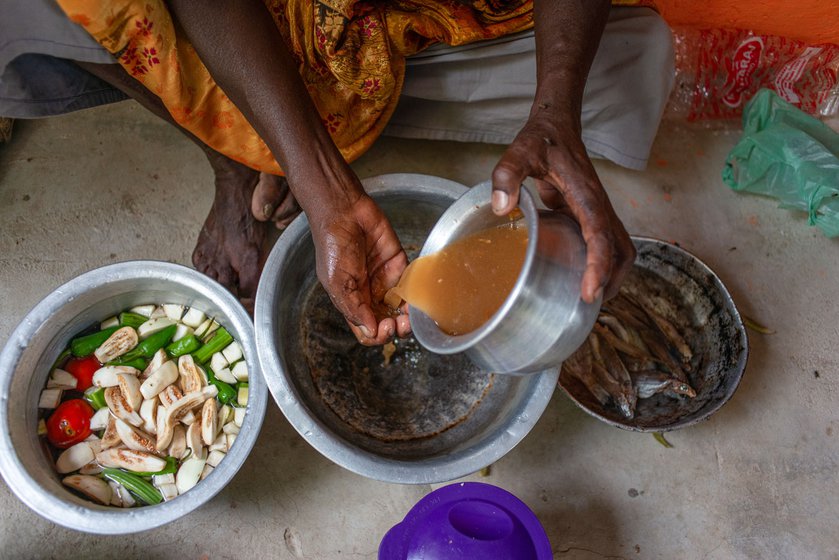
(500, 418)
(543, 320)
(41, 336)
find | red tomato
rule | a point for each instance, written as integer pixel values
(83, 369)
(70, 423)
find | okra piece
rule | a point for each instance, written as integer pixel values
(186, 345)
(140, 488)
(85, 345)
(218, 342)
(96, 397)
(129, 319)
(149, 346)
(226, 393)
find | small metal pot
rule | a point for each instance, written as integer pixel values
(34, 345)
(500, 418)
(543, 320)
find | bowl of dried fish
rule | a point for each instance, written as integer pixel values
(399, 413)
(667, 352)
(77, 485)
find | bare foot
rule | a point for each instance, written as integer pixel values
(231, 246)
(273, 201)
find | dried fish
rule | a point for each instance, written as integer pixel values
(604, 353)
(635, 351)
(578, 365)
(653, 382)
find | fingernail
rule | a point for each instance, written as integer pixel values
(500, 200)
(267, 210)
(365, 331)
(598, 293)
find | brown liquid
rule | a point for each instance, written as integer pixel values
(461, 286)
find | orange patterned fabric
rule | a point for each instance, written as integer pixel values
(350, 54)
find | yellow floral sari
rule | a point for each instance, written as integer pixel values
(350, 54)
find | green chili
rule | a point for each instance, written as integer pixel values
(186, 345)
(85, 345)
(129, 319)
(140, 488)
(218, 342)
(96, 397)
(136, 363)
(149, 346)
(61, 358)
(226, 393)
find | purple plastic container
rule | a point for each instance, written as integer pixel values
(468, 520)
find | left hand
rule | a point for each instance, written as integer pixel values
(359, 258)
(551, 151)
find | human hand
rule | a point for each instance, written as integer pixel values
(358, 259)
(551, 151)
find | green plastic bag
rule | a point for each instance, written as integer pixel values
(789, 155)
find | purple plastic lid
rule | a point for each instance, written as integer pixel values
(467, 520)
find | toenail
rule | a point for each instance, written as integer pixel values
(267, 210)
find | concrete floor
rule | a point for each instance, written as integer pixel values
(758, 480)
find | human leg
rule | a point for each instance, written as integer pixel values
(231, 244)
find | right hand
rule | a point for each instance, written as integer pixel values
(359, 258)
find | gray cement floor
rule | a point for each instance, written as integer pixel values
(758, 480)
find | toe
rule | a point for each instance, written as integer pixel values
(267, 196)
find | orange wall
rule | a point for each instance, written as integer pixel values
(811, 21)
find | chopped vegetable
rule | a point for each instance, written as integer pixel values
(226, 393)
(154, 326)
(189, 474)
(108, 323)
(181, 332)
(144, 310)
(233, 352)
(93, 487)
(107, 376)
(152, 344)
(193, 318)
(240, 371)
(50, 398)
(220, 340)
(75, 457)
(70, 423)
(128, 319)
(137, 363)
(186, 345)
(173, 311)
(119, 343)
(60, 379)
(242, 397)
(96, 397)
(99, 421)
(85, 345)
(139, 487)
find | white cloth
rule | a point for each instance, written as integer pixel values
(483, 92)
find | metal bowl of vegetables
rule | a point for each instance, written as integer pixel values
(119, 408)
(397, 413)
